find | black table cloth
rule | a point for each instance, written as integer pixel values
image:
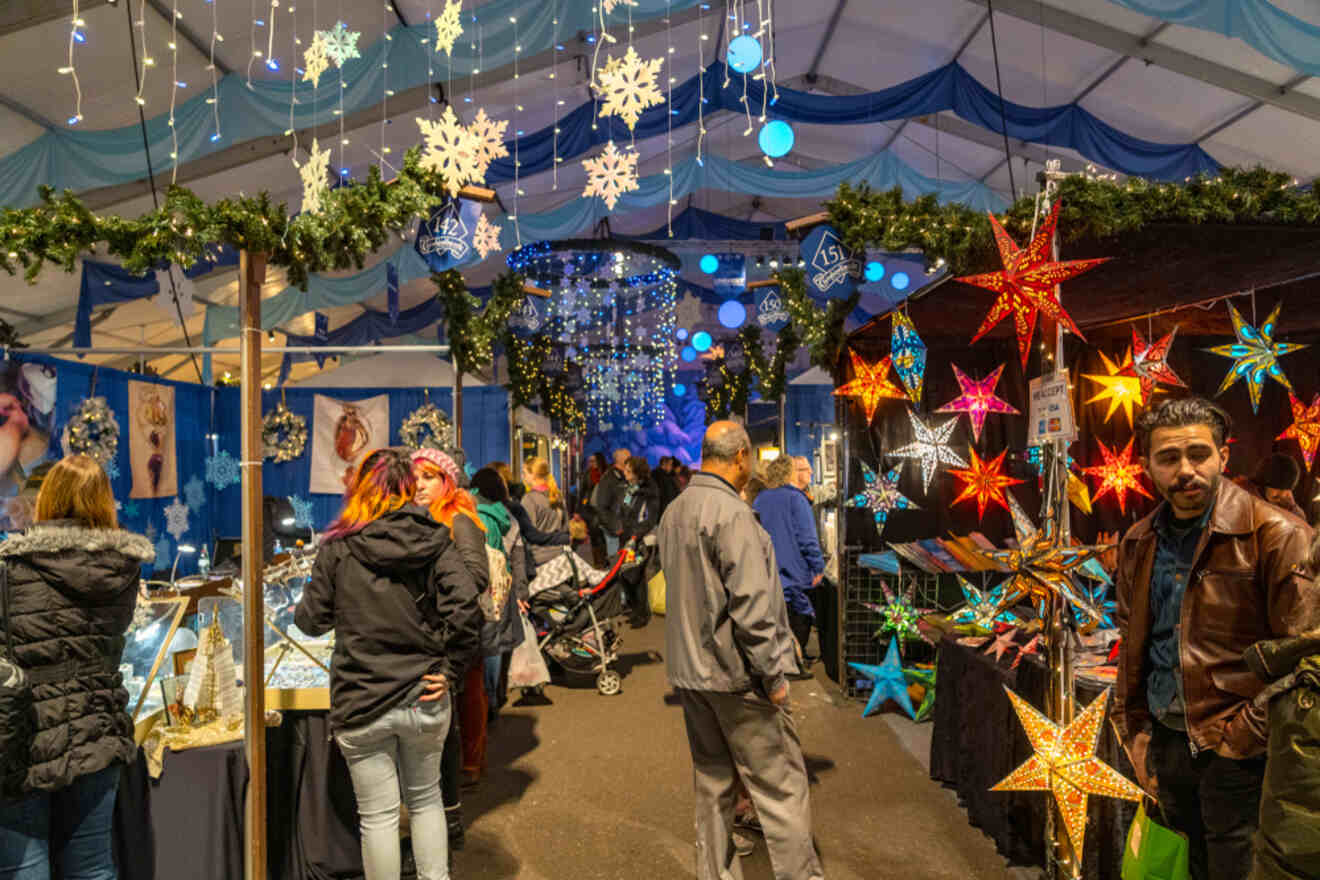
(978, 740)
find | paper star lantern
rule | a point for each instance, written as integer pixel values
(1026, 283)
(978, 399)
(870, 384)
(888, 682)
(1031, 647)
(899, 616)
(1255, 355)
(1098, 595)
(1078, 493)
(1118, 475)
(610, 175)
(486, 237)
(1002, 644)
(315, 61)
(1119, 388)
(983, 609)
(881, 496)
(931, 447)
(313, 174)
(1065, 764)
(1150, 364)
(984, 481)
(908, 354)
(340, 43)
(449, 26)
(925, 678)
(1305, 428)
(628, 87)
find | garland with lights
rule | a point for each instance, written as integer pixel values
(771, 374)
(528, 381)
(820, 330)
(727, 396)
(93, 431)
(283, 434)
(472, 335)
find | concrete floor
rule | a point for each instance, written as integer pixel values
(599, 788)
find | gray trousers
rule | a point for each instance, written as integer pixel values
(746, 736)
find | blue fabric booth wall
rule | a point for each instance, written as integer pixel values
(810, 411)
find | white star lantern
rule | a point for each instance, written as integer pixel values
(610, 175)
(313, 173)
(930, 447)
(629, 87)
(449, 26)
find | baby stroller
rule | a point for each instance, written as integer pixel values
(577, 624)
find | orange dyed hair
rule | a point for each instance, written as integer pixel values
(540, 469)
(383, 484)
(451, 500)
(77, 488)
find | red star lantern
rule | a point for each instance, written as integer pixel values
(1305, 428)
(870, 384)
(1119, 474)
(1026, 283)
(1150, 364)
(984, 481)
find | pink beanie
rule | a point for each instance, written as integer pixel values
(440, 460)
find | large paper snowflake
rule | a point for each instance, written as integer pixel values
(450, 150)
(222, 471)
(1255, 355)
(449, 26)
(302, 511)
(340, 43)
(610, 175)
(487, 139)
(315, 61)
(607, 6)
(313, 174)
(176, 518)
(486, 238)
(880, 495)
(930, 447)
(629, 87)
(194, 493)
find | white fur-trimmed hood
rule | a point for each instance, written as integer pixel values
(54, 537)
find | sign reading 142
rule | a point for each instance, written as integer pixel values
(832, 270)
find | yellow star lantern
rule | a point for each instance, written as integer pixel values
(870, 384)
(1065, 764)
(1118, 389)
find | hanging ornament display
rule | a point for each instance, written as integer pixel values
(610, 175)
(1150, 364)
(1305, 428)
(340, 43)
(428, 426)
(313, 173)
(450, 149)
(1118, 386)
(978, 399)
(315, 61)
(870, 384)
(1255, 355)
(92, 431)
(930, 447)
(1026, 283)
(985, 482)
(222, 471)
(302, 511)
(887, 682)
(1064, 763)
(283, 434)
(486, 237)
(880, 495)
(1119, 475)
(176, 519)
(194, 493)
(449, 26)
(908, 353)
(983, 608)
(628, 87)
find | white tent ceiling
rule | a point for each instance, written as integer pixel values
(1159, 81)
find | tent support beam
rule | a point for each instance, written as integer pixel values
(962, 47)
(158, 351)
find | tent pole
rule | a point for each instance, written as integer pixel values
(252, 273)
(458, 406)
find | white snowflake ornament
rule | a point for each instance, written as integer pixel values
(450, 150)
(315, 61)
(608, 5)
(340, 43)
(302, 511)
(610, 175)
(629, 87)
(449, 26)
(176, 519)
(222, 471)
(488, 139)
(486, 238)
(313, 173)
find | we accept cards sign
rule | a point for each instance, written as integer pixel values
(1051, 414)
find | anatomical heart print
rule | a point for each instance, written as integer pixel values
(343, 432)
(151, 440)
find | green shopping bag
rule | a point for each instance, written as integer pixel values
(1153, 852)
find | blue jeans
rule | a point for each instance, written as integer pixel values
(71, 827)
(611, 549)
(400, 751)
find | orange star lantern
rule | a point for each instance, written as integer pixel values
(870, 384)
(1119, 474)
(1119, 389)
(984, 481)
(1065, 764)
(1026, 284)
(1305, 428)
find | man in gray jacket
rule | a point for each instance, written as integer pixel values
(729, 651)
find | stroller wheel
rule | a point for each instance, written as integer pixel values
(609, 683)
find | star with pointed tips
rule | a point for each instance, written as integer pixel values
(978, 399)
(1255, 355)
(899, 615)
(340, 43)
(1118, 387)
(930, 447)
(881, 496)
(983, 608)
(984, 481)
(887, 682)
(1305, 428)
(870, 384)
(1119, 475)
(450, 150)
(487, 139)
(315, 61)
(1150, 364)
(610, 175)
(486, 237)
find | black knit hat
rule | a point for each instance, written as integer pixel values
(1279, 471)
(490, 485)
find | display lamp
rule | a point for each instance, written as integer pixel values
(776, 138)
(183, 548)
(744, 53)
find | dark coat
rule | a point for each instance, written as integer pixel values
(668, 486)
(402, 605)
(640, 513)
(72, 591)
(608, 499)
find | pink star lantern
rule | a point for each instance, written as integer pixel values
(1150, 364)
(978, 399)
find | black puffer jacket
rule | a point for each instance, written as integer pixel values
(402, 605)
(641, 510)
(72, 591)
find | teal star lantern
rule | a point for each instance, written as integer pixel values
(881, 496)
(887, 683)
(1255, 355)
(908, 353)
(984, 608)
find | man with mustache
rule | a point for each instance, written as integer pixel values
(1207, 574)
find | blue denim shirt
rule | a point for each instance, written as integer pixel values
(1174, 553)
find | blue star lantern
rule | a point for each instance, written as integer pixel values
(888, 682)
(909, 355)
(194, 493)
(1255, 355)
(222, 471)
(881, 496)
(302, 511)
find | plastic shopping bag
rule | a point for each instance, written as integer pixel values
(527, 667)
(656, 591)
(1154, 852)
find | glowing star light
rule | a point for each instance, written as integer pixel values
(450, 150)
(315, 61)
(899, 616)
(909, 355)
(313, 174)
(887, 682)
(983, 609)
(1026, 284)
(610, 175)
(449, 26)
(931, 447)
(340, 43)
(978, 399)
(1255, 355)
(1150, 364)
(984, 481)
(870, 384)
(628, 87)
(1119, 389)
(881, 496)
(1305, 428)
(1065, 764)
(486, 237)
(1118, 475)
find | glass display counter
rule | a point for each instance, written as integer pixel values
(152, 640)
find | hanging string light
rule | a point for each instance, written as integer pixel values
(147, 61)
(175, 15)
(214, 100)
(71, 70)
(272, 63)
(701, 81)
(518, 132)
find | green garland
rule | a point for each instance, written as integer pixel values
(472, 336)
(528, 381)
(730, 395)
(821, 330)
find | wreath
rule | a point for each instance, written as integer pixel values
(429, 426)
(93, 431)
(283, 434)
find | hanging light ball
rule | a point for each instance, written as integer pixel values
(681, 334)
(680, 390)
(776, 138)
(875, 271)
(744, 53)
(710, 263)
(733, 314)
(689, 353)
(701, 340)
(900, 281)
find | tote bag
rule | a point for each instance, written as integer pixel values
(1154, 852)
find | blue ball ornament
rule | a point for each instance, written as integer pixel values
(733, 314)
(701, 340)
(900, 281)
(776, 138)
(689, 353)
(744, 53)
(875, 271)
(710, 263)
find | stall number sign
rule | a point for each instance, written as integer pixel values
(832, 270)
(1051, 415)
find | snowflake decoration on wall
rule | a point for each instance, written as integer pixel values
(315, 61)
(449, 26)
(340, 43)
(487, 139)
(610, 175)
(302, 511)
(629, 87)
(450, 150)
(194, 493)
(222, 471)
(486, 238)
(313, 173)
(163, 552)
(111, 469)
(131, 509)
(176, 518)
(688, 311)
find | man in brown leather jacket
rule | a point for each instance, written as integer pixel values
(1210, 572)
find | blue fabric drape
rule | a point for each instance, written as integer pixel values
(105, 284)
(810, 411)
(708, 226)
